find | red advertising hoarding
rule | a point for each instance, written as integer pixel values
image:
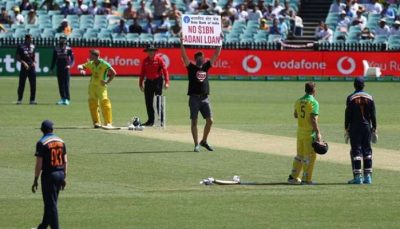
(127, 61)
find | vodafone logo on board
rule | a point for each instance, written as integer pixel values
(251, 64)
(346, 65)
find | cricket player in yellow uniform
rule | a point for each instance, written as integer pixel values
(98, 87)
(306, 112)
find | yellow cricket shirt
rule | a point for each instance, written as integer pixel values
(99, 71)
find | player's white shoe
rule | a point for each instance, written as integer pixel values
(292, 180)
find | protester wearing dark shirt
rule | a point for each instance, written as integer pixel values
(198, 92)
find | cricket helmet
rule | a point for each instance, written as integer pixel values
(320, 147)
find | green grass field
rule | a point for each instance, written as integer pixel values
(122, 181)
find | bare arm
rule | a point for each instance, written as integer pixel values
(111, 74)
(185, 58)
(216, 55)
(314, 123)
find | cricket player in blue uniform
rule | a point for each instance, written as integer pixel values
(360, 123)
(51, 165)
(26, 56)
(64, 59)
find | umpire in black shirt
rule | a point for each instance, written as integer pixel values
(360, 123)
(26, 56)
(51, 164)
(64, 58)
(198, 92)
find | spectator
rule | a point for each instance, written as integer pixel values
(121, 27)
(326, 34)
(226, 22)
(354, 6)
(203, 5)
(382, 29)
(4, 17)
(18, 18)
(374, 8)
(242, 15)
(360, 20)
(192, 6)
(129, 12)
(395, 30)
(81, 8)
(107, 8)
(64, 28)
(255, 14)
(297, 23)
(286, 9)
(268, 13)
(25, 5)
(348, 11)
(318, 30)
(337, 7)
(275, 29)
(94, 9)
(32, 19)
(261, 6)
(276, 10)
(150, 27)
(366, 34)
(164, 25)
(67, 8)
(344, 22)
(174, 13)
(143, 12)
(135, 27)
(284, 27)
(231, 11)
(160, 8)
(263, 24)
(387, 11)
(49, 5)
(176, 29)
(215, 9)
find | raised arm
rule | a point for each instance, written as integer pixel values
(216, 55)
(185, 58)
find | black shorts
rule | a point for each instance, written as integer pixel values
(199, 103)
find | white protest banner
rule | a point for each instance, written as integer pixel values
(201, 30)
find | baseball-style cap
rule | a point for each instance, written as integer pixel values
(359, 81)
(150, 48)
(47, 126)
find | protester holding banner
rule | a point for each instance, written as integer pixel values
(198, 92)
(153, 69)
